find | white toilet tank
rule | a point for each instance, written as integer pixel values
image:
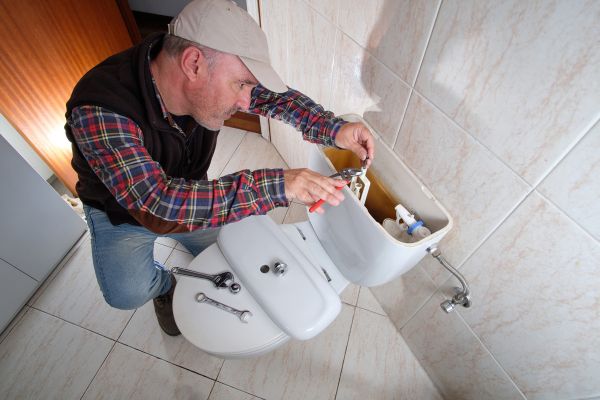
(363, 251)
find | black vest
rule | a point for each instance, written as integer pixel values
(123, 84)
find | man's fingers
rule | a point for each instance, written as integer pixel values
(309, 187)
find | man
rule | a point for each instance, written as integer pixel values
(144, 125)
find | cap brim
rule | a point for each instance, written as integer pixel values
(265, 74)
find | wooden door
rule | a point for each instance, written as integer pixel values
(45, 48)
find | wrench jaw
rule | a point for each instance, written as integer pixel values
(223, 280)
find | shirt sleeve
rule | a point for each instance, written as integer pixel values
(113, 146)
(298, 110)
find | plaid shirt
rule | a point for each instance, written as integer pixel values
(113, 146)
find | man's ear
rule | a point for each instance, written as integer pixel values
(193, 63)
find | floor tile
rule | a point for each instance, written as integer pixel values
(254, 153)
(298, 370)
(84, 239)
(296, 213)
(379, 365)
(367, 301)
(167, 241)
(179, 258)
(143, 333)
(350, 294)
(74, 295)
(161, 252)
(228, 141)
(224, 392)
(278, 214)
(181, 247)
(47, 358)
(130, 374)
(13, 323)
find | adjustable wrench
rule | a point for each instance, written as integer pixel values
(244, 316)
(222, 280)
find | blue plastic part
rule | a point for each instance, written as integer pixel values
(414, 226)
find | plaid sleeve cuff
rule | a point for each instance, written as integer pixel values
(337, 124)
(272, 191)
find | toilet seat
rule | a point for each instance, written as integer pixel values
(223, 335)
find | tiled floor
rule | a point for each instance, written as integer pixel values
(68, 344)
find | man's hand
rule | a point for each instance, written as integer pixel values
(356, 137)
(309, 187)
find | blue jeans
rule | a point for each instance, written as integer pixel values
(124, 262)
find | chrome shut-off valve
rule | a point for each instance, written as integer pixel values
(462, 295)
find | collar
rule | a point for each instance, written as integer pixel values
(166, 114)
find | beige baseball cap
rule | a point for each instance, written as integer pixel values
(223, 26)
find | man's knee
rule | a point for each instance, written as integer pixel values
(129, 297)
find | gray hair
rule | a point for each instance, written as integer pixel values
(174, 46)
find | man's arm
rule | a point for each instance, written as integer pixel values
(113, 147)
(298, 110)
(316, 124)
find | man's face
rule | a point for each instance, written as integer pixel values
(226, 90)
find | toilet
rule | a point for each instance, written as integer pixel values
(291, 275)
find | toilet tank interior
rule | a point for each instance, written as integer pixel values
(389, 188)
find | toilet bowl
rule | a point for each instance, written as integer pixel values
(291, 275)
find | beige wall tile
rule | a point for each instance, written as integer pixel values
(298, 370)
(224, 392)
(274, 16)
(143, 333)
(403, 297)
(364, 86)
(400, 37)
(359, 19)
(456, 361)
(379, 364)
(47, 358)
(477, 189)
(519, 76)
(131, 374)
(575, 183)
(329, 9)
(74, 295)
(311, 44)
(537, 302)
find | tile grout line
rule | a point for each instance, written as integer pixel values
(15, 322)
(472, 137)
(167, 361)
(568, 150)
(214, 383)
(233, 387)
(98, 370)
(72, 323)
(435, 18)
(491, 354)
(337, 388)
(58, 269)
(414, 83)
(230, 157)
(571, 219)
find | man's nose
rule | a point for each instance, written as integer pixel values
(243, 102)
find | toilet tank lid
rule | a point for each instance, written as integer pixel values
(300, 301)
